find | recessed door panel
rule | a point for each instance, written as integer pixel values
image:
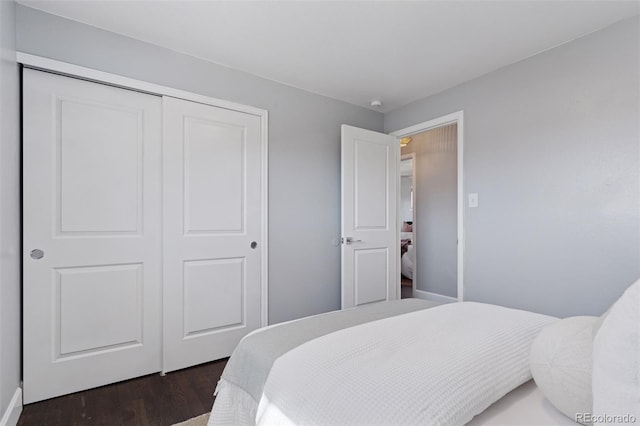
(91, 234)
(213, 298)
(99, 167)
(371, 270)
(371, 179)
(214, 173)
(99, 308)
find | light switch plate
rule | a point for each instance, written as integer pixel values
(473, 200)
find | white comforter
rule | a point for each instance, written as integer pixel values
(438, 366)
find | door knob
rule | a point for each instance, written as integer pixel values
(36, 254)
(349, 240)
(254, 244)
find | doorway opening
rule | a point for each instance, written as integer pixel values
(430, 210)
(407, 218)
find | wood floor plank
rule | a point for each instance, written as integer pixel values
(146, 401)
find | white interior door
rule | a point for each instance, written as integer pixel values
(212, 228)
(369, 216)
(91, 239)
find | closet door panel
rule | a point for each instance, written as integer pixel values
(99, 177)
(92, 234)
(213, 171)
(212, 211)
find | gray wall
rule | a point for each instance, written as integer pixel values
(304, 148)
(552, 149)
(436, 210)
(10, 302)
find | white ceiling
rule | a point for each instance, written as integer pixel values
(354, 51)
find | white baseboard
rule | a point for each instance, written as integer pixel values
(421, 294)
(12, 414)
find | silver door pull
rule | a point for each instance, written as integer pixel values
(36, 254)
(350, 240)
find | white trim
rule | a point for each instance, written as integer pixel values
(265, 220)
(13, 411)
(427, 295)
(412, 156)
(427, 125)
(58, 67)
(455, 117)
(398, 178)
(51, 65)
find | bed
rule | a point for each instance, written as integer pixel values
(406, 262)
(407, 255)
(366, 366)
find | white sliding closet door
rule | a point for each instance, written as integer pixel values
(92, 234)
(212, 228)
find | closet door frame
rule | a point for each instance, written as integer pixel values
(70, 70)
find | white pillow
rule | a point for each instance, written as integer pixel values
(616, 361)
(561, 365)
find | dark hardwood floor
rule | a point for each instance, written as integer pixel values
(406, 288)
(146, 401)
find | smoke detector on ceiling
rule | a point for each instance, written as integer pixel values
(376, 103)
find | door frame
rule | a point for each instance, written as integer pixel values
(455, 117)
(410, 156)
(57, 67)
